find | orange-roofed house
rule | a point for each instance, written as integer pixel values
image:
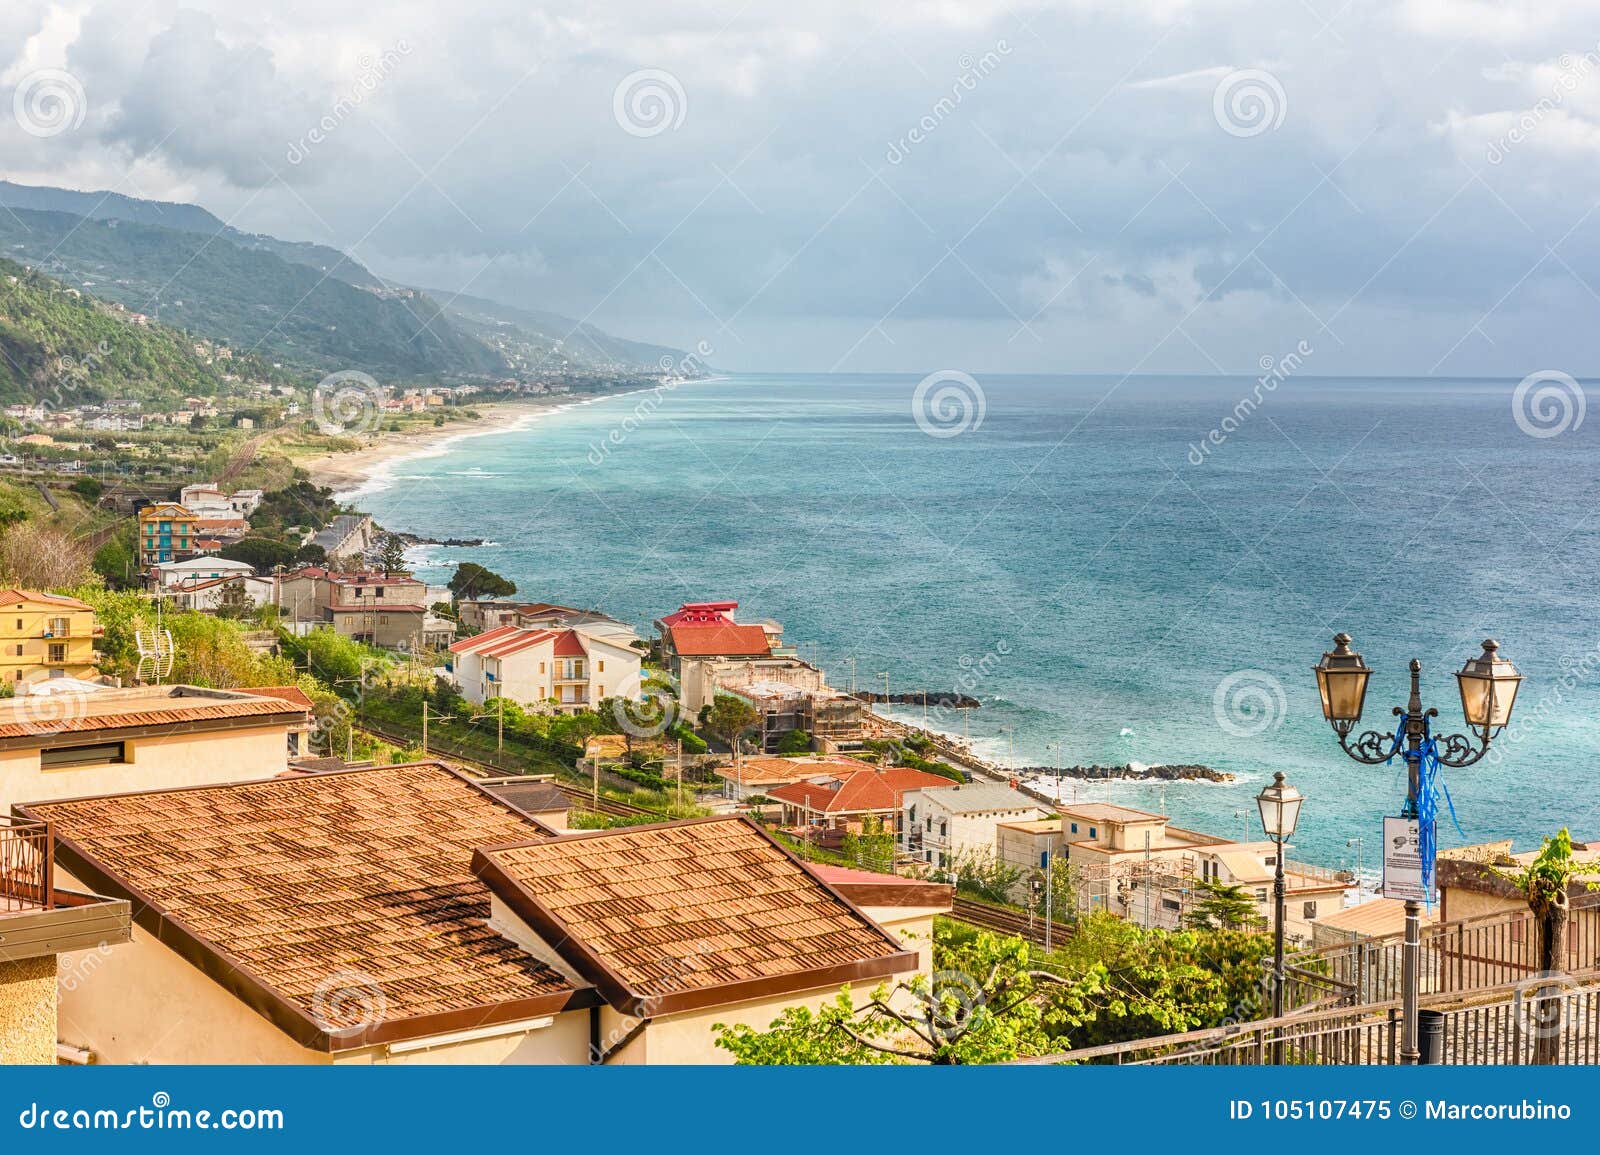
(573, 669)
(844, 801)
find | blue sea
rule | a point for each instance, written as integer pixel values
(1137, 569)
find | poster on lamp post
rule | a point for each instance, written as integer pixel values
(1402, 860)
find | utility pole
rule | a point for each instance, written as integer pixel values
(499, 724)
(679, 758)
(1049, 897)
(424, 726)
(1147, 879)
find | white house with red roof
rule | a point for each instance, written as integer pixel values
(574, 669)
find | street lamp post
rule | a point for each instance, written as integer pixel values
(1488, 685)
(1280, 805)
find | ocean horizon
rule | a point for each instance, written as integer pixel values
(1121, 569)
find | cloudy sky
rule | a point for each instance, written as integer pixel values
(1071, 186)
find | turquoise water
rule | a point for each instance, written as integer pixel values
(1079, 563)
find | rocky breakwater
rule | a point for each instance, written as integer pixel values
(1127, 773)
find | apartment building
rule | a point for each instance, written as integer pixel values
(570, 669)
(946, 822)
(389, 610)
(44, 636)
(167, 532)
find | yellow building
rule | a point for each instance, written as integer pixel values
(44, 636)
(167, 532)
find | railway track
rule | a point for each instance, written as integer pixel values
(981, 914)
(608, 806)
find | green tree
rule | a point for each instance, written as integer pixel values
(1546, 885)
(392, 555)
(263, 553)
(873, 847)
(472, 580)
(985, 1005)
(794, 742)
(1225, 906)
(730, 718)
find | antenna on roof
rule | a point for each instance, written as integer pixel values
(156, 651)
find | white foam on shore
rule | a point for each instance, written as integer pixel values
(383, 475)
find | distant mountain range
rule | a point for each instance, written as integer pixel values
(297, 304)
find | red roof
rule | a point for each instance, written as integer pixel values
(700, 614)
(569, 645)
(710, 641)
(285, 693)
(866, 790)
(504, 640)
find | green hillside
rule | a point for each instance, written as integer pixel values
(251, 299)
(67, 348)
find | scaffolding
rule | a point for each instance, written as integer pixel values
(1156, 891)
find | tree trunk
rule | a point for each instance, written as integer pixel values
(1546, 1020)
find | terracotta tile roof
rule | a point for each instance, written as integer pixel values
(695, 641)
(13, 597)
(283, 693)
(294, 893)
(569, 645)
(531, 797)
(117, 710)
(867, 789)
(869, 888)
(864, 791)
(759, 770)
(690, 914)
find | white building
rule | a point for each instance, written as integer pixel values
(953, 820)
(170, 574)
(206, 499)
(572, 668)
(208, 595)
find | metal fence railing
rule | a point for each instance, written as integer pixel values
(27, 865)
(1456, 957)
(1551, 1020)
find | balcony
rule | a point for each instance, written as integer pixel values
(37, 918)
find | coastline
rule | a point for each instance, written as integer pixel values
(355, 472)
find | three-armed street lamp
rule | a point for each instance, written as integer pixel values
(1280, 811)
(1488, 685)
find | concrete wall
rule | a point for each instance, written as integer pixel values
(28, 1011)
(156, 763)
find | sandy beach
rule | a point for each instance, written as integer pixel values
(344, 472)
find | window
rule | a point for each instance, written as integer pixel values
(1171, 904)
(58, 651)
(378, 593)
(1092, 833)
(1308, 911)
(81, 755)
(944, 829)
(1261, 894)
(600, 665)
(541, 667)
(1044, 860)
(1074, 828)
(602, 691)
(1271, 860)
(19, 649)
(19, 623)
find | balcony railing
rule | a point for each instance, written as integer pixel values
(27, 865)
(1462, 956)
